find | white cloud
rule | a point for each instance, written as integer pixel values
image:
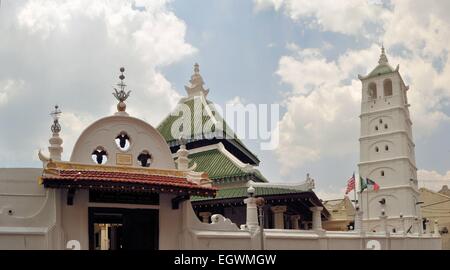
(8, 89)
(324, 101)
(69, 53)
(347, 17)
(432, 179)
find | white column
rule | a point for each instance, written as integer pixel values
(294, 221)
(205, 216)
(278, 216)
(252, 213)
(436, 229)
(316, 217)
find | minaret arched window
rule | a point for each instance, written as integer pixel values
(387, 87)
(382, 173)
(372, 91)
(386, 148)
(99, 155)
(123, 141)
(377, 149)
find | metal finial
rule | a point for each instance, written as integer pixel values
(383, 57)
(56, 127)
(121, 95)
(196, 68)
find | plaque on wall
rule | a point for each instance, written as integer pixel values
(124, 159)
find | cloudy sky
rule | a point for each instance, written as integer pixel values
(304, 55)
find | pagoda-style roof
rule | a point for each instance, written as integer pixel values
(222, 167)
(122, 178)
(383, 67)
(202, 111)
(272, 193)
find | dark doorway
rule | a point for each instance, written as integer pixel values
(120, 228)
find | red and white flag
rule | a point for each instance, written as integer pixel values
(350, 184)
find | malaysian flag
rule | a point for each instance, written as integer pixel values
(350, 184)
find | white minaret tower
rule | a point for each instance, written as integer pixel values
(387, 151)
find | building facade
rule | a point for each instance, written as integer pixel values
(387, 150)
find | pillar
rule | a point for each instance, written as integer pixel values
(252, 213)
(278, 216)
(436, 229)
(294, 221)
(205, 216)
(316, 217)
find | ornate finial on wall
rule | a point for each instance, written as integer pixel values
(55, 141)
(56, 127)
(121, 95)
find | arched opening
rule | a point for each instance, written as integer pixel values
(382, 173)
(99, 155)
(145, 158)
(123, 141)
(372, 91)
(387, 86)
(377, 149)
(376, 128)
(386, 148)
(386, 126)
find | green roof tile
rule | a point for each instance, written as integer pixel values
(219, 166)
(240, 192)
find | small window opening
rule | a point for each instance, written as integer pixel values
(123, 141)
(145, 158)
(99, 155)
(382, 173)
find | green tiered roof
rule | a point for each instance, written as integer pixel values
(241, 192)
(198, 120)
(221, 169)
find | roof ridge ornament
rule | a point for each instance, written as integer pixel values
(196, 88)
(56, 127)
(383, 58)
(121, 95)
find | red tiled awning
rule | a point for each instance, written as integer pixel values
(119, 179)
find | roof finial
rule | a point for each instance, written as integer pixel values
(196, 88)
(121, 95)
(55, 141)
(56, 127)
(196, 68)
(383, 57)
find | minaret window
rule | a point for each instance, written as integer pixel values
(382, 173)
(376, 128)
(381, 121)
(123, 141)
(99, 155)
(145, 158)
(377, 149)
(372, 91)
(386, 126)
(387, 86)
(386, 148)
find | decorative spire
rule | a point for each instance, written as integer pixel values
(56, 127)
(121, 95)
(55, 141)
(383, 58)
(196, 88)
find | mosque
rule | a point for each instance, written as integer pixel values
(129, 185)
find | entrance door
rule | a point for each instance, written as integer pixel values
(119, 228)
